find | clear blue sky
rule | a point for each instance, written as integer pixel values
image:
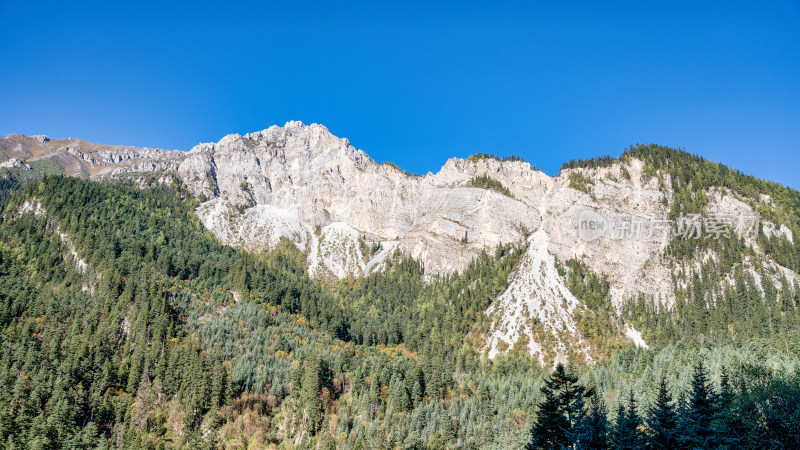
(414, 83)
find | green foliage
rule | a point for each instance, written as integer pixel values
(692, 176)
(196, 327)
(696, 428)
(166, 338)
(560, 411)
(591, 163)
(723, 304)
(397, 168)
(399, 306)
(13, 178)
(662, 420)
(580, 182)
(82, 361)
(627, 433)
(752, 412)
(597, 320)
(480, 156)
(487, 182)
(694, 173)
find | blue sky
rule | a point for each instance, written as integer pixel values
(414, 83)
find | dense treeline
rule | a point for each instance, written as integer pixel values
(13, 178)
(590, 163)
(692, 174)
(160, 292)
(720, 306)
(487, 182)
(735, 281)
(76, 363)
(125, 324)
(507, 158)
(692, 177)
(715, 298)
(597, 319)
(751, 408)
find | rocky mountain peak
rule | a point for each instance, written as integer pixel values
(349, 214)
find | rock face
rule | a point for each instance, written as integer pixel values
(311, 179)
(350, 214)
(15, 163)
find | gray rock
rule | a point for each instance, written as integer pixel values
(15, 162)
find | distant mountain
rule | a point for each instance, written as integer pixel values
(283, 290)
(351, 215)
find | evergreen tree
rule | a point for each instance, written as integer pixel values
(591, 432)
(560, 410)
(550, 429)
(662, 420)
(697, 428)
(627, 433)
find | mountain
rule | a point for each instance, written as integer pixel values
(283, 290)
(74, 157)
(349, 214)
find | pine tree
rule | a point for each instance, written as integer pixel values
(662, 420)
(316, 376)
(560, 410)
(627, 433)
(398, 396)
(697, 429)
(729, 419)
(551, 425)
(482, 395)
(591, 432)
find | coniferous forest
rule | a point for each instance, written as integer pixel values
(125, 324)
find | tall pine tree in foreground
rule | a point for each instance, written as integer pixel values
(627, 433)
(591, 432)
(560, 411)
(662, 420)
(697, 427)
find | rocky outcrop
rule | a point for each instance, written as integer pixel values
(313, 179)
(81, 158)
(15, 163)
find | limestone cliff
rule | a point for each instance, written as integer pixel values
(350, 214)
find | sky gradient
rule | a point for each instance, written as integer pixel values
(412, 83)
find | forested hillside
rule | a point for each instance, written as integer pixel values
(125, 324)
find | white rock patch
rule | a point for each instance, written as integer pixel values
(536, 299)
(635, 336)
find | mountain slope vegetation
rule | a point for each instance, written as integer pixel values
(126, 324)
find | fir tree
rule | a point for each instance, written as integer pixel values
(560, 410)
(627, 433)
(697, 429)
(591, 432)
(551, 425)
(662, 420)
